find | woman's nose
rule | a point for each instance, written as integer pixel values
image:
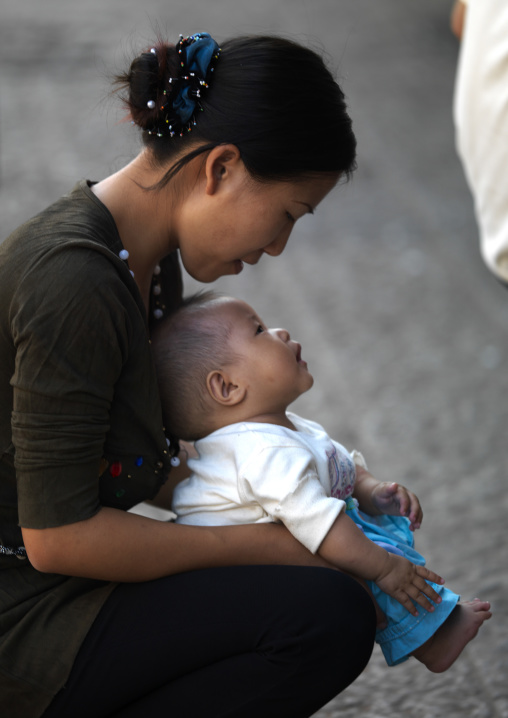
(277, 246)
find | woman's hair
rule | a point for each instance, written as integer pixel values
(271, 97)
(187, 345)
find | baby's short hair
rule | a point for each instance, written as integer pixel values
(187, 346)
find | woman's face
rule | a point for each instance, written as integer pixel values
(241, 220)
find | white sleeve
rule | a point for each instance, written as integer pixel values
(359, 459)
(284, 481)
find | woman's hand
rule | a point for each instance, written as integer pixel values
(395, 500)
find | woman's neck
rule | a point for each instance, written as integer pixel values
(145, 223)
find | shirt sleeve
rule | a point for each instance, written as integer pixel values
(70, 331)
(359, 459)
(284, 481)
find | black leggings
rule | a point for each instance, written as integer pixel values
(243, 641)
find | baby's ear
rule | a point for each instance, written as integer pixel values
(223, 390)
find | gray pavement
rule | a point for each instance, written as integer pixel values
(403, 327)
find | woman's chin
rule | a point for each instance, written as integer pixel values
(206, 275)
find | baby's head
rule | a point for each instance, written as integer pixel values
(187, 345)
(217, 363)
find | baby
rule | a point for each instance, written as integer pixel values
(226, 382)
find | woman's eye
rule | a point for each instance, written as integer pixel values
(290, 217)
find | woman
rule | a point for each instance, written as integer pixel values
(104, 612)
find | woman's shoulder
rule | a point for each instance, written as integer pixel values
(64, 248)
(76, 212)
(78, 219)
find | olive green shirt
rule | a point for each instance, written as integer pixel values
(80, 424)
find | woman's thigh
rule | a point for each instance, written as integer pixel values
(241, 641)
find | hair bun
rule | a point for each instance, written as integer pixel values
(271, 97)
(146, 84)
(166, 82)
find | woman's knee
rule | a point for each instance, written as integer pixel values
(343, 622)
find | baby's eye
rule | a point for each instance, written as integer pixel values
(259, 329)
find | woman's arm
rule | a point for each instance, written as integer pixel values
(117, 546)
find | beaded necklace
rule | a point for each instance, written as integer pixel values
(158, 311)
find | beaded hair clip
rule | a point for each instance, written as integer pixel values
(197, 54)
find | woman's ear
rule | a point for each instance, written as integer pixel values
(222, 163)
(223, 390)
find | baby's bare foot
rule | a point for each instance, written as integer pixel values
(461, 626)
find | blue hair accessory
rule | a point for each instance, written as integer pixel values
(197, 56)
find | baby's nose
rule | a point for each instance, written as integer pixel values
(283, 334)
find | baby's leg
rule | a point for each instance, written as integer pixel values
(461, 626)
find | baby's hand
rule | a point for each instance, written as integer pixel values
(396, 500)
(404, 581)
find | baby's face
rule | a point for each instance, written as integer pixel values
(268, 361)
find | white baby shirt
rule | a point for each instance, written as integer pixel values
(255, 473)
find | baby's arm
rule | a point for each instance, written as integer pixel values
(382, 497)
(346, 547)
